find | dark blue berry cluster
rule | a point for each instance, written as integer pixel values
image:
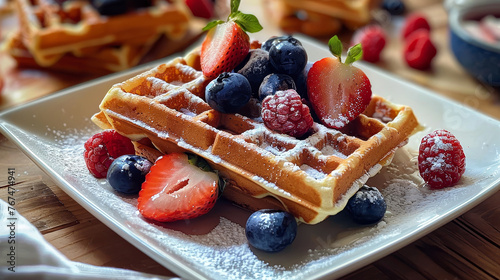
(280, 64)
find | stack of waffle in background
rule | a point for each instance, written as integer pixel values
(79, 36)
(319, 18)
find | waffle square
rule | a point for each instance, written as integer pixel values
(312, 177)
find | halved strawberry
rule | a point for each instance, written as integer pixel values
(227, 43)
(338, 92)
(177, 188)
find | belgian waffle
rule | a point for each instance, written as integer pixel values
(319, 17)
(311, 177)
(101, 60)
(49, 29)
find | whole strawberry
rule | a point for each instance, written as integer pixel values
(441, 159)
(338, 92)
(227, 43)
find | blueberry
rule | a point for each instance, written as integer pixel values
(394, 7)
(288, 56)
(367, 206)
(228, 93)
(271, 230)
(273, 83)
(255, 67)
(127, 173)
(110, 7)
(267, 44)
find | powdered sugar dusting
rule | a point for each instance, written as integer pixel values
(221, 251)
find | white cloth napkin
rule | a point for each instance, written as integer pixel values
(25, 254)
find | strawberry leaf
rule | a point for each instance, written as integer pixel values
(354, 53)
(235, 5)
(247, 22)
(212, 24)
(335, 46)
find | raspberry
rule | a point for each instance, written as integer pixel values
(102, 148)
(372, 39)
(419, 50)
(413, 23)
(284, 112)
(441, 159)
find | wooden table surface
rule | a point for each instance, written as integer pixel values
(466, 248)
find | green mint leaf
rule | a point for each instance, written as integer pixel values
(354, 53)
(235, 5)
(247, 22)
(212, 24)
(335, 46)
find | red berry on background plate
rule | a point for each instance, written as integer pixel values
(372, 39)
(419, 50)
(338, 91)
(284, 112)
(441, 159)
(103, 148)
(178, 187)
(413, 23)
(227, 44)
(201, 8)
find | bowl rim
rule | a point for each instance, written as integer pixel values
(455, 22)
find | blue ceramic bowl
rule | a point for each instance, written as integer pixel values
(480, 59)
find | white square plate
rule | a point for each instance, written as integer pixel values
(52, 131)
